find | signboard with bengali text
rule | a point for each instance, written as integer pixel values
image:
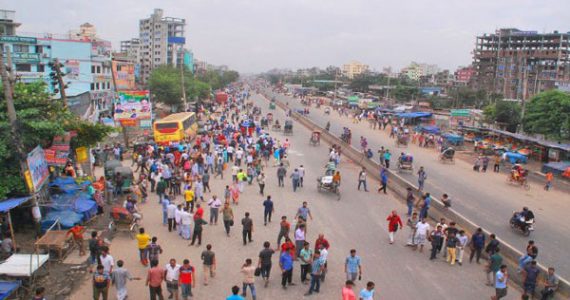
(38, 167)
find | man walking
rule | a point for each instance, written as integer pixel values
(154, 278)
(301, 175)
(101, 281)
(198, 228)
(463, 241)
(286, 265)
(214, 205)
(393, 222)
(119, 278)
(172, 276)
(410, 200)
(171, 215)
(305, 255)
(295, 177)
(261, 182)
(247, 230)
(281, 172)
(264, 262)
(317, 267)
(267, 210)
(362, 179)
(383, 181)
(495, 262)
(436, 238)
(299, 239)
(451, 245)
(284, 228)
(187, 279)
(209, 260)
(352, 266)
(530, 276)
(422, 176)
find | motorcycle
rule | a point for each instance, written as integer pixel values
(520, 224)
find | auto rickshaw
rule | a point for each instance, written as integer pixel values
(110, 167)
(128, 177)
(315, 138)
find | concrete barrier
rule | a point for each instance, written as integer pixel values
(399, 186)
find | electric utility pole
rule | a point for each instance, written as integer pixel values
(57, 79)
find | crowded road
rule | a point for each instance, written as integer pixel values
(484, 198)
(356, 221)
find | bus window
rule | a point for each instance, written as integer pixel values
(166, 126)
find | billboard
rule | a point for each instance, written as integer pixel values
(131, 106)
(38, 167)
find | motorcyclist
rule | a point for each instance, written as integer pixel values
(524, 218)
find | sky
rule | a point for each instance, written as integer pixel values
(258, 35)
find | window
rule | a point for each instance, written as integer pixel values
(98, 69)
(41, 68)
(160, 126)
(20, 48)
(108, 85)
(97, 86)
(24, 67)
(92, 86)
(92, 69)
(39, 49)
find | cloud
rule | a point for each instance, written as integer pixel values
(256, 35)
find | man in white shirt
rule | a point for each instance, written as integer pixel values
(172, 272)
(177, 219)
(422, 229)
(106, 260)
(171, 214)
(299, 239)
(185, 221)
(301, 171)
(239, 156)
(463, 240)
(215, 203)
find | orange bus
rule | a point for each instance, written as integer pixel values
(175, 128)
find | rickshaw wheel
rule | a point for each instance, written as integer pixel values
(134, 230)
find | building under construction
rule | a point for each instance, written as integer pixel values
(520, 64)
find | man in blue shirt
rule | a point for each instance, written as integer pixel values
(352, 266)
(425, 207)
(368, 292)
(235, 292)
(383, 180)
(164, 204)
(477, 244)
(286, 265)
(268, 210)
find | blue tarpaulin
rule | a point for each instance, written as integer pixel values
(7, 288)
(516, 157)
(413, 115)
(453, 138)
(428, 129)
(7, 205)
(67, 219)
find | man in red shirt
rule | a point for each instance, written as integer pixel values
(186, 279)
(199, 212)
(347, 292)
(321, 241)
(154, 278)
(77, 233)
(393, 222)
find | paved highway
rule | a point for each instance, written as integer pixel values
(485, 198)
(356, 221)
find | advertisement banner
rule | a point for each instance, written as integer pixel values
(38, 167)
(132, 105)
(72, 69)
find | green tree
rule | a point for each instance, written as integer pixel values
(548, 113)
(40, 118)
(165, 85)
(506, 113)
(404, 93)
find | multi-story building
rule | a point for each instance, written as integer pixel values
(463, 75)
(161, 42)
(353, 69)
(7, 22)
(86, 64)
(416, 70)
(519, 64)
